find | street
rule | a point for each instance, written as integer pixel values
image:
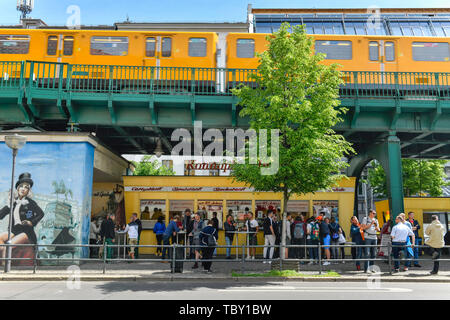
(211, 290)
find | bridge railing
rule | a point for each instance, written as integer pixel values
(78, 78)
(11, 74)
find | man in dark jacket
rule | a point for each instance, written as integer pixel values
(107, 232)
(415, 228)
(187, 226)
(215, 225)
(208, 238)
(230, 227)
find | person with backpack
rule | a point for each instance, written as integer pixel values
(335, 230)
(325, 238)
(312, 239)
(299, 236)
(357, 239)
(197, 226)
(208, 240)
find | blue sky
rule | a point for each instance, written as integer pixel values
(94, 12)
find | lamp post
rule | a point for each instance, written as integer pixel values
(15, 142)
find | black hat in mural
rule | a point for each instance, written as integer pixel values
(24, 178)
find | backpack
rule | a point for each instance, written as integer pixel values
(315, 231)
(299, 231)
(211, 240)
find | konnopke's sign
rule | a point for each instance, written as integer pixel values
(211, 189)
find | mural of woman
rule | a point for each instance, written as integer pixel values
(26, 215)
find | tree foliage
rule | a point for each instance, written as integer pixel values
(148, 166)
(419, 177)
(299, 96)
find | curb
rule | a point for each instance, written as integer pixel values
(220, 278)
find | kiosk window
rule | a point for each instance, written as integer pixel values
(373, 51)
(389, 51)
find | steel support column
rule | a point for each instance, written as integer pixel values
(388, 154)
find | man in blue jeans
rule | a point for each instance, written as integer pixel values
(355, 233)
(415, 228)
(400, 232)
(171, 230)
(370, 226)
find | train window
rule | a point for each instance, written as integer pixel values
(373, 51)
(14, 44)
(68, 46)
(150, 47)
(197, 47)
(430, 51)
(335, 50)
(245, 48)
(389, 51)
(52, 45)
(109, 46)
(166, 48)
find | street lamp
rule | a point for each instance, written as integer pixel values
(15, 142)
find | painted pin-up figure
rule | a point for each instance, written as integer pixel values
(26, 215)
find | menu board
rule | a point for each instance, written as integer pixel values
(329, 207)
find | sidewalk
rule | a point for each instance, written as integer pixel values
(222, 271)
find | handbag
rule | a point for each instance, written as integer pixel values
(342, 238)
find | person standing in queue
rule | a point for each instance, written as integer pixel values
(215, 225)
(139, 224)
(171, 232)
(108, 233)
(208, 241)
(187, 226)
(230, 227)
(435, 231)
(159, 228)
(197, 226)
(269, 236)
(252, 227)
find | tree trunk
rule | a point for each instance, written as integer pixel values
(283, 225)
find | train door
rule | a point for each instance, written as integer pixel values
(383, 53)
(59, 48)
(158, 53)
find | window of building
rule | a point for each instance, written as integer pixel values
(109, 46)
(68, 46)
(166, 47)
(430, 51)
(14, 44)
(52, 45)
(167, 163)
(335, 50)
(150, 47)
(197, 47)
(389, 51)
(188, 168)
(374, 51)
(245, 48)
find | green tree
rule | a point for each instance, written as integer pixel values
(419, 177)
(148, 166)
(299, 96)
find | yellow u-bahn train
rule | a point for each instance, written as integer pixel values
(201, 49)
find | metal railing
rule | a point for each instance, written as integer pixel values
(83, 78)
(173, 258)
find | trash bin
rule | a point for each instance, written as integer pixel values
(179, 251)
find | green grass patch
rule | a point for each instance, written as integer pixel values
(286, 273)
